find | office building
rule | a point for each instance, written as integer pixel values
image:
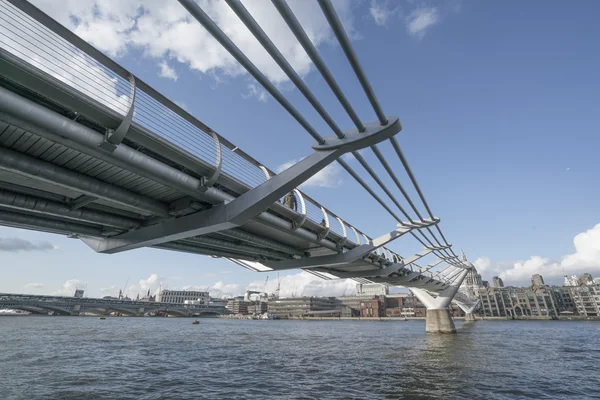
(371, 289)
(537, 280)
(303, 306)
(180, 296)
(498, 282)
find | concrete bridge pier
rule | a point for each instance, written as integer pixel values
(469, 317)
(438, 318)
(439, 321)
(140, 312)
(76, 310)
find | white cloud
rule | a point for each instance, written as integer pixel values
(586, 258)
(587, 250)
(483, 264)
(35, 285)
(218, 289)
(380, 12)
(328, 177)
(111, 290)
(166, 71)
(152, 283)
(68, 288)
(75, 70)
(257, 92)
(164, 29)
(420, 20)
(17, 244)
(306, 284)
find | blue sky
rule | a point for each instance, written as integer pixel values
(499, 104)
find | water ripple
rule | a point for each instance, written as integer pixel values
(159, 358)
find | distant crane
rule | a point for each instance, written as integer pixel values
(125, 287)
(278, 287)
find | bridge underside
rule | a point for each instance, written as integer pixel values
(90, 151)
(54, 184)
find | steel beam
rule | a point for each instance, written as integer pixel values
(241, 248)
(18, 220)
(218, 218)
(82, 201)
(56, 209)
(264, 242)
(188, 248)
(30, 167)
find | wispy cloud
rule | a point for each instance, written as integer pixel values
(18, 244)
(421, 20)
(167, 71)
(255, 91)
(34, 285)
(381, 12)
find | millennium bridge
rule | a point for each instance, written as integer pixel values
(63, 305)
(89, 150)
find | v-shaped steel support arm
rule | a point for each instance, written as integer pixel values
(251, 203)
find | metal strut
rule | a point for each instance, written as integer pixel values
(113, 138)
(343, 241)
(250, 204)
(298, 224)
(208, 182)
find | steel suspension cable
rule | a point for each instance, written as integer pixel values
(294, 25)
(268, 45)
(247, 19)
(342, 37)
(199, 14)
(264, 40)
(406, 166)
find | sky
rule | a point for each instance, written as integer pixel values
(498, 101)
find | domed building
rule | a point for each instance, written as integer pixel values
(472, 282)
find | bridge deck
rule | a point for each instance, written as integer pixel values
(61, 102)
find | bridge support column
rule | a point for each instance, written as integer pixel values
(140, 312)
(438, 318)
(76, 310)
(439, 321)
(468, 310)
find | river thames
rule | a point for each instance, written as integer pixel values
(167, 358)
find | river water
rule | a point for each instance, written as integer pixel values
(168, 358)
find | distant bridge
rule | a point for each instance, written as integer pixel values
(89, 150)
(77, 305)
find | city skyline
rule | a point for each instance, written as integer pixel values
(506, 154)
